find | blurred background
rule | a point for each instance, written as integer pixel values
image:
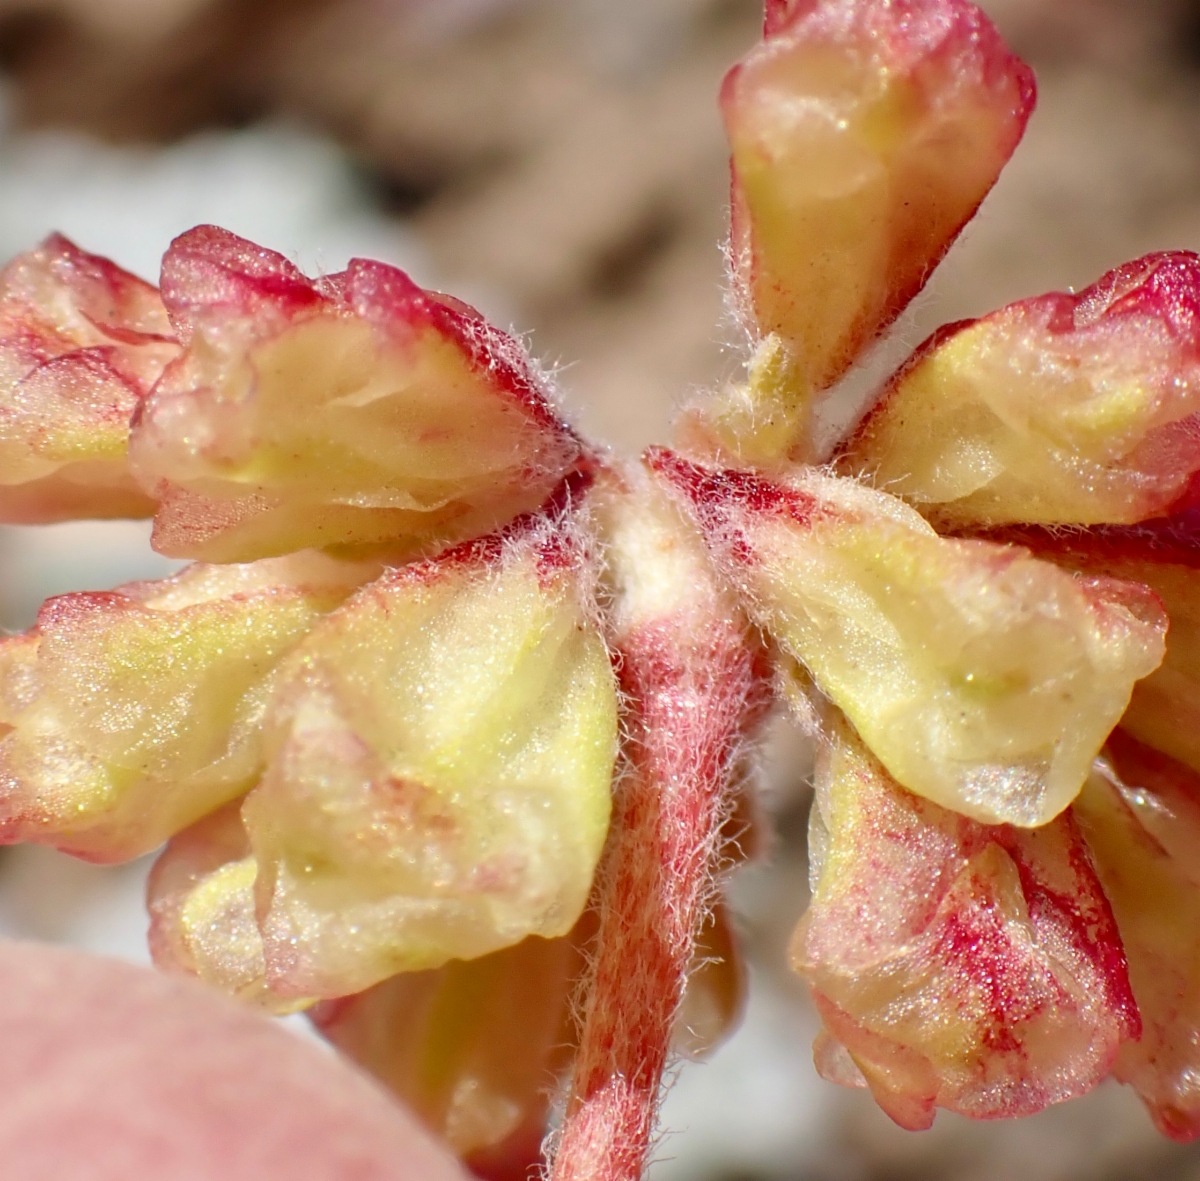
(560, 164)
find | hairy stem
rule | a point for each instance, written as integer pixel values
(691, 683)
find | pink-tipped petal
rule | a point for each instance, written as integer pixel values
(959, 965)
(865, 133)
(1062, 410)
(355, 409)
(982, 678)
(81, 343)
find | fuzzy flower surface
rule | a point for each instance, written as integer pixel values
(444, 732)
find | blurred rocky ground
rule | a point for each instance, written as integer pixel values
(561, 164)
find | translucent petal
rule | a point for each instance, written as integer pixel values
(983, 679)
(440, 756)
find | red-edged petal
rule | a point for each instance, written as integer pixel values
(1061, 410)
(81, 343)
(127, 715)
(355, 409)
(865, 133)
(982, 678)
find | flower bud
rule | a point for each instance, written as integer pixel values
(474, 1048)
(1140, 813)
(864, 134)
(81, 343)
(352, 410)
(954, 964)
(1064, 409)
(440, 755)
(131, 713)
(983, 679)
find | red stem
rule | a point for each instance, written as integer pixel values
(693, 687)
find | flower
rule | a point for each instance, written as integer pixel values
(442, 671)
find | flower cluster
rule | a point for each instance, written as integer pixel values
(442, 671)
